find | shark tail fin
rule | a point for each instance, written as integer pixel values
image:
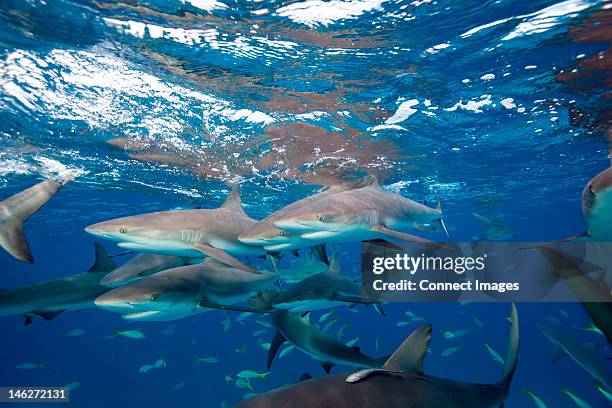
(513, 350)
(21, 206)
(102, 261)
(233, 202)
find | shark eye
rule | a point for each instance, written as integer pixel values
(320, 218)
(153, 297)
(591, 190)
(282, 233)
(122, 230)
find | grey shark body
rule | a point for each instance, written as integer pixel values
(180, 292)
(298, 331)
(16, 210)
(361, 214)
(186, 233)
(319, 291)
(584, 356)
(265, 234)
(142, 265)
(400, 383)
(51, 298)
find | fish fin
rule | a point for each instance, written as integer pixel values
(319, 251)
(334, 265)
(275, 344)
(14, 241)
(274, 258)
(263, 300)
(305, 317)
(28, 319)
(223, 256)
(327, 366)
(386, 243)
(513, 349)
(557, 354)
(406, 237)
(102, 262)
(443, 225)
(213, 305)
(305, 377)
(368, 372)
(233, 202)
(410, 354)
(47, 315)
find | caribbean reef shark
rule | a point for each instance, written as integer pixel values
(180, 292)
(15, 211)
(595, 296)
(143, 265)
(297, 329)
(320, 291)
(187, 233)
(585, 356)
(51, 298)
(400, 383)
(265, 234)
(360, 214)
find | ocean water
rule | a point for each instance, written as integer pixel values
(498, 108)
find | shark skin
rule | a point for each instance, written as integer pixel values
(312, 341)
(186, 233)
(15, 211)
(180, 292)
(597, 206)
(315, 292)
(142, 265)
(361, 214)
(50, 298)
(271, 238)
(400, 383)
(582, 355)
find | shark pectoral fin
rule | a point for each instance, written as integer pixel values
(319, 251)
(410, 355)
(274, 258)
(407, 237)
(102, 262)
(327, 366)
(334, 265)
(47, 315)
(13, 240)
(275, 344)
(223, 256)
(443, 225)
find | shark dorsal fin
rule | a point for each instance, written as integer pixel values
(410, 355)
(334, 264)
(102, 262)
(233, 202)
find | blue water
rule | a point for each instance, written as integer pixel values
(496, 107)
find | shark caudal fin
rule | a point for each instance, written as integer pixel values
(102, 261)
(513, 350)
(15, 212)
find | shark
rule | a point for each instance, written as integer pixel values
(184, 291)
(51, 298)
(265, 234)
(307, 265)
(597, 207)
(297, 329)
(361, 214)
(400, 382)
(17, 209)
(143, 264)
(186, 233)
(595, 296)
(319, 291)
(584, 356)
